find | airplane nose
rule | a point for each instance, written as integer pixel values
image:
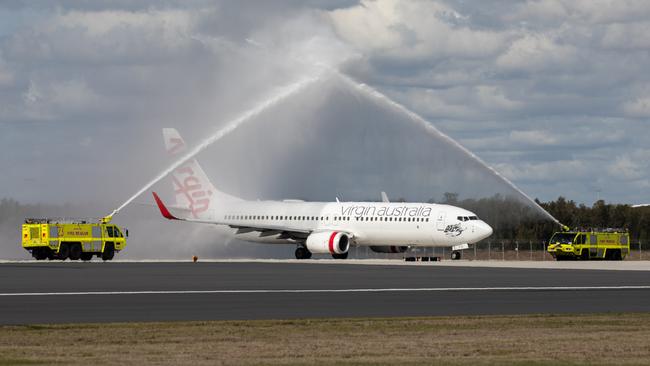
(484, 229)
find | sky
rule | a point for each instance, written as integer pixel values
(552, 94)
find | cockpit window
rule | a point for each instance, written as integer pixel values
(467, 218)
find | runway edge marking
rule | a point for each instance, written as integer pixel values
(358, 290)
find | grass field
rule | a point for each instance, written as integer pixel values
(602, 339)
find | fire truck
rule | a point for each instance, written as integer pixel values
(586, 244)
(74, 239)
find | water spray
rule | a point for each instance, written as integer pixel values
(429, 127)
(377, 95)
(280, 95)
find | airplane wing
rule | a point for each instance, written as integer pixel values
(264, 230)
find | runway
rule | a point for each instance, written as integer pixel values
(55, 292)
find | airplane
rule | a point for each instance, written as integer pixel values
(641, 205)
(319, 227)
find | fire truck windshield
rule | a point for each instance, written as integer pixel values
(563, 238)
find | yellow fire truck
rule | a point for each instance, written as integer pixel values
(609, 244)
(73, 239)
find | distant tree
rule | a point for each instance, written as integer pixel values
(450, 198)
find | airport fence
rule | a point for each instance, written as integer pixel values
(510, 250)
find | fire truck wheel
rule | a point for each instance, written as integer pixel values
(64, 252)
(75, 252)
(109, 252)
(86, 256)
(39, 254)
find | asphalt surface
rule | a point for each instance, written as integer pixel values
(55, 292)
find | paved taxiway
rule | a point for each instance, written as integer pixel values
(98, 292)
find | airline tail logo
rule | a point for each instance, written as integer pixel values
(191, 186)
(175, 145)
(188, 187)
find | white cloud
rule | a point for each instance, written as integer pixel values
(536, 52)
(631, 166)
(624, 168)
(105, 36)
(413, 30)
(48, 100)
(640, 107)
(587, 11)
(170, 23)
(533, 137)
(551, 171)
(627, 36)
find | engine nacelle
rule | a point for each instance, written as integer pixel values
(332, 242)
(389, 249)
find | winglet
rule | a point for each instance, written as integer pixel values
(384, 197)
(163, 210)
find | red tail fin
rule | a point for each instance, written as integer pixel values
(163, 210)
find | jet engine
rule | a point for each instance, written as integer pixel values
(332, 242)
(389, 249)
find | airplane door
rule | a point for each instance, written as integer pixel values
(440, 221)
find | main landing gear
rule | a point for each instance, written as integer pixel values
(302, 253)
(456, 255)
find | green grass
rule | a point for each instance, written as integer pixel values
(600, 339)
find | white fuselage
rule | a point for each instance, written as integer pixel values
(320, 226)
(371, 223)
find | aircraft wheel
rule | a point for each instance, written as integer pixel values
(456, 255)
(302, 253)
